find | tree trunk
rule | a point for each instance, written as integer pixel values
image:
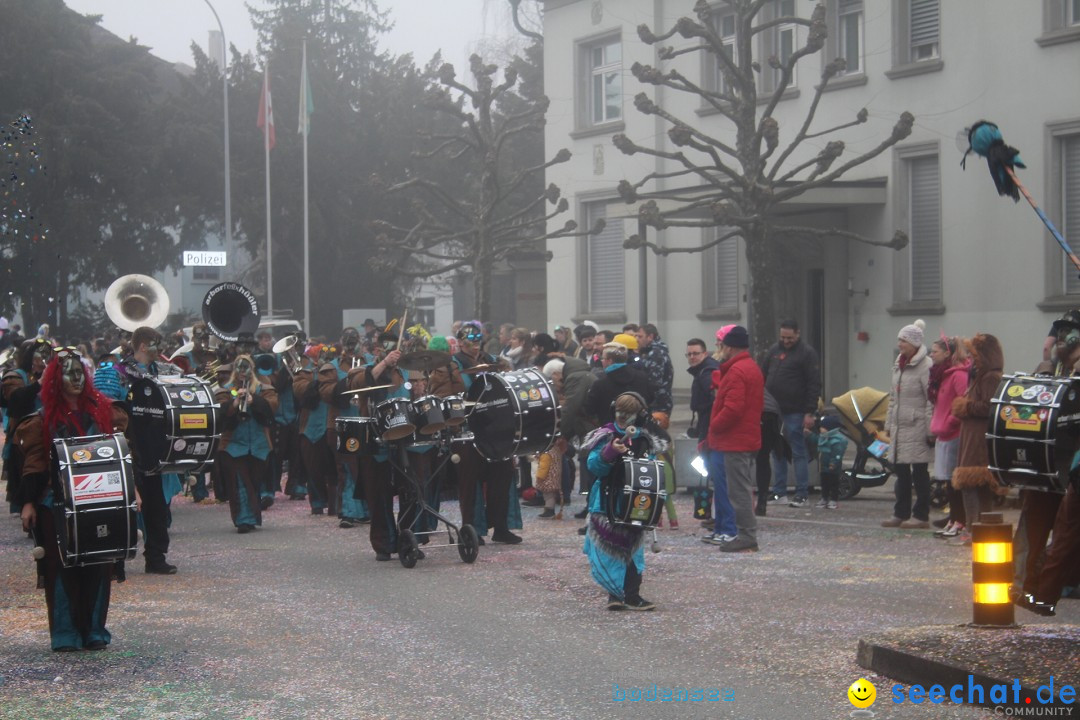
(762, 311)
(482, 288)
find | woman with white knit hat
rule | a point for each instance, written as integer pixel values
(908, 427)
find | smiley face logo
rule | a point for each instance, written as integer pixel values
(861, 693)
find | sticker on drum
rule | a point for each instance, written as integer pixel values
(1030, 394)
(1015, 390)
(644, 481)
(534, 394)
(187, 396)
(81, 455)
(179, 444)
(202, 397)
(201, 448)
(189, 420)
(524, 394)
(147, 391)
(544, 393)
(643, 502)
(1045, 398)
(105, 452)
(96, 487)
(352, 445)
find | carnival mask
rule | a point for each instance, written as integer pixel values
(74, 374)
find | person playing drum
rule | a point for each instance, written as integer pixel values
(77, 597)
(615, 551)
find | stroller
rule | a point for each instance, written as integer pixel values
(862, 415)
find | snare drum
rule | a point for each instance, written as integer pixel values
(395, 419)
(1032, 432)
(639, 500)
(516, 413)
(453, 410)
(95, 513)
(428, 414)
(356, 435)
(174, 424)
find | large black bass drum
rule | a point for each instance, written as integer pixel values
(514, 413)
(174, 424)
(95, 513)
(1032, 437)
(639, 500)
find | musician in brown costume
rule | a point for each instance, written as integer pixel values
(77, 597)
(248, 402)
(314, 446)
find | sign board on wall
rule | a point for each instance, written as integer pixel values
(204, 258)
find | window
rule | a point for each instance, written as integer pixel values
(924, 25)
(724, 25)
(849, 34)
(205, 274)
(1072, 12)
(1061, 22)
(604, 94)
(721, 267)
(424, 311)
(924, 221)
(1069, 149)
(603, 273)
(786, 41)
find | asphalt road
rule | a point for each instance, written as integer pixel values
(298, 620)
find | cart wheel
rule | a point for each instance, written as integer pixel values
(408, 550)
(939, 498)
(848, 486)
(468, 544)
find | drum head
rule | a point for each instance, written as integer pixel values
(516, 413)
(174, 424)
(395, 419)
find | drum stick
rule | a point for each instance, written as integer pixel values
(401, 332)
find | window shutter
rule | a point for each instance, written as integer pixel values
(1070, 201)
(925, 183)
(722, 272)
(924, 22)
(606, 275)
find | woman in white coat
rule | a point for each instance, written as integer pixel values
(908, 426)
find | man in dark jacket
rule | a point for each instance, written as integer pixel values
(701, 368)
(793, 376)
(656, 362)
(618, 377)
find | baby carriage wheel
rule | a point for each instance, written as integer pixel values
(939, 498)
(408, 550)
(848, 487)
(468, 544)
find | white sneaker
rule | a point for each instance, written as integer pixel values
(831, 505)
(778, 500)
(822, 503)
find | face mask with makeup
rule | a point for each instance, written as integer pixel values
(74, 374)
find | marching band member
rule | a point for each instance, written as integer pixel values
(77, 597)
(318, 455)
(287, 435)
(353, 509)
(20, 393)
(615, 551)
(248, 402)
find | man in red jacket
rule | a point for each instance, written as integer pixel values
(735, 430)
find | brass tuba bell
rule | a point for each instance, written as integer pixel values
(134, 301)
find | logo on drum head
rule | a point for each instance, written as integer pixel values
(147, 391)
(644, 481)
(524, 394)
(534, 394)
(81, 455)
(201, 448)
(187, 395)
(352, 445)
(179, 444)
(105, 452)
(102, 531)
(189, 420)
(643, 502)
(1045, 398)
(1016, 390)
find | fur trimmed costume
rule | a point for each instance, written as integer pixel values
(973, 408)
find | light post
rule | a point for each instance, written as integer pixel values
(225, 88)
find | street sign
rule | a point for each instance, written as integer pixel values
(204, 258)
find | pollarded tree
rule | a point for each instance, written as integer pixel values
(497, 206)
(739, 186)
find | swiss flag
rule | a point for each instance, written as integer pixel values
(266, 111)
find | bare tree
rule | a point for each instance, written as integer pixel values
(738, 186)
(497, 205)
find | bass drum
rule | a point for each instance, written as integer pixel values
(1033, 430)
(515, 413)
(95, 515)
(174, 424)
(356, 435)
(639, 501)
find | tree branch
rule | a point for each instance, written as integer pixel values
(898, 241)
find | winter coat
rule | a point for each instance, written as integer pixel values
(793, 377)
(735, 423)
(577, 379)
(616, 380)
(831, 447)
(701, 393)
(910, 411)
(974, 408)
(656, 362)
(954, 383)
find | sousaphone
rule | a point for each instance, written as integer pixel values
(134, 301)
(231, 312)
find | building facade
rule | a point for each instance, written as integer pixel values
(975, 263)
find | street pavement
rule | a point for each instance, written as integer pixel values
(298, 620)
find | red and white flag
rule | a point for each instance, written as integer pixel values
(266, 111)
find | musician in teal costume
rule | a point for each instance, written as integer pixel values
(353, 507)
(317, 454)
(616, 553)
(248, 403)
(77, 597)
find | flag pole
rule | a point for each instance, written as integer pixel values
(269, 240)
(307, 268)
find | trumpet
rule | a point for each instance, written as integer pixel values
(286, 348)
(242, 406)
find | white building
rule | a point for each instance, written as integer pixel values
(976, 262)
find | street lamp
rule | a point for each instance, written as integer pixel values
(225, 89)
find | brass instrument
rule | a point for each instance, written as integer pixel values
(134, 301)
(242, 405)
(7, 356)
(286, 348)
(231, 312)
